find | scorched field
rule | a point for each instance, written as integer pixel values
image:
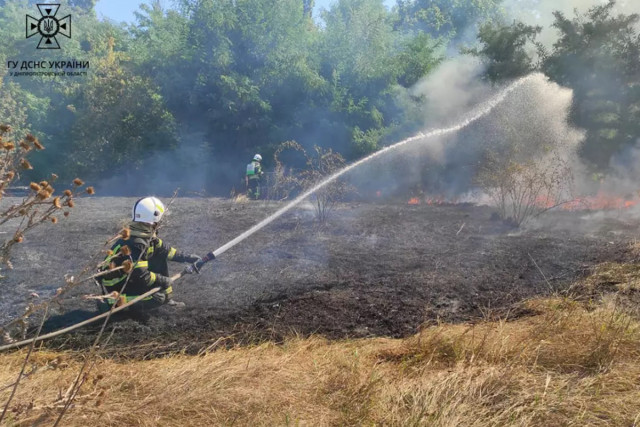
(374, 269)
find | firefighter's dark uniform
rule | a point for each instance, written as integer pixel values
(148, 257)
(254, 176)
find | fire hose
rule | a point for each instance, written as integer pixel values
(189, 269)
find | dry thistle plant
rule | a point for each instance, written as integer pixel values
(87, 274)
(41, 204)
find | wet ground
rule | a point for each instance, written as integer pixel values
(375, 269)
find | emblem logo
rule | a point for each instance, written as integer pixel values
(48, 26)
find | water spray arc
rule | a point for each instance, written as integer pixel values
(480, 112)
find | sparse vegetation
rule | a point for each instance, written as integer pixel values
(523, 189)
(319, 165)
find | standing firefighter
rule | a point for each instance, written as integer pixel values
(253, 177)
(143, 257)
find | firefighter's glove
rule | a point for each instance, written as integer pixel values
(192, 259)
(191, 268)
(194, 267)
(163, 281)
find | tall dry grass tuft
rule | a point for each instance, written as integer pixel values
(240, 198)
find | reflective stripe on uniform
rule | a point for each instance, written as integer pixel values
(152, 279)
(128, 298)
(117, 280)
(113, 282)
(172, 253)
(151, 249)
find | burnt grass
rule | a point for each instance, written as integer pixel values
(375, 269)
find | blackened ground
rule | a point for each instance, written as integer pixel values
(373, 270)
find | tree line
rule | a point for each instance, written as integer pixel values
(228, 78)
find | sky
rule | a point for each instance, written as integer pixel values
(122, 10)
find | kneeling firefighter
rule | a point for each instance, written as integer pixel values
(143, 256)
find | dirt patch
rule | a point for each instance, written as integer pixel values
(373, 270)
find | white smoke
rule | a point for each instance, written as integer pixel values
(536, 113)
(532, 121)
(454, 87)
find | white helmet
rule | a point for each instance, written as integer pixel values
(257, 158)
(148, 210)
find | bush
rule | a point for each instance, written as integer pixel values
(525, 189)
(318, 166)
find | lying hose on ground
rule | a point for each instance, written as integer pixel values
(78, 325)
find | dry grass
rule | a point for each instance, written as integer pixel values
(624, 277)
(569, 364)
(241, 198)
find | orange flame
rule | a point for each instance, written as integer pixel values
(600, 201)
(414, 201)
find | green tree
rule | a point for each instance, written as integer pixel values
(367, 60)
(420, 54)
(598, 56)
(160, 50)
(252, 66)
(506, 50)
(12, 108)
(120, 120)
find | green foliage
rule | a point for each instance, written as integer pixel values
(419, 56)
(506, 50)
(367, 142)
(446, 18)
(120, 119)
(246, 75)
(358, 42)
(13, 109)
